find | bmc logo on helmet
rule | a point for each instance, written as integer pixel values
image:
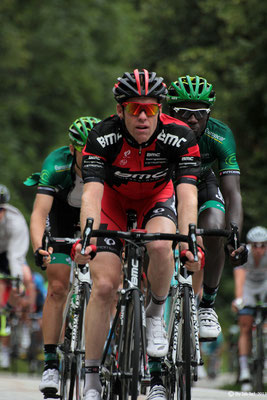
(173, 140)
(109, 139)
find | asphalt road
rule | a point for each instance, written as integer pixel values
(26, 388)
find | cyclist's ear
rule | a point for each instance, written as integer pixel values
(72, 150)
(120, 111)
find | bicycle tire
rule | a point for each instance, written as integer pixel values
(132, 349)
(258, 364)
(77, 366)
(184, 377)
(64, 372)
(72, 366)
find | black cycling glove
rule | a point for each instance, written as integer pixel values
(240, 258)
(38, 258)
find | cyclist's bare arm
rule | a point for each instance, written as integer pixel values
(91, 203)
(239, 277)
(41, 208)
(91, 208)
(230, 187)
(29, 286)
(187, 214)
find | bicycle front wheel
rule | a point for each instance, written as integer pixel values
(184, 369)
(72, 362)
(78, 370)
(131, 359)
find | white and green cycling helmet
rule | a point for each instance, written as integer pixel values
(258, 234)
(191, 88)
(79, 129)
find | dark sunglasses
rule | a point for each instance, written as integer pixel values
(186, 113)
(135, 108)
(258, 245)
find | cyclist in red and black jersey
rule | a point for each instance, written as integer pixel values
(128, 163)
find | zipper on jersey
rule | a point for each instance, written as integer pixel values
(140, 150)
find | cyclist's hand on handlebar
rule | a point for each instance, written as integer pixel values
(238, 256)
(79, 258)
(192, 265)
(43, 257)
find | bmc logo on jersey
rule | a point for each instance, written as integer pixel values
(173, 140)
(109, 139)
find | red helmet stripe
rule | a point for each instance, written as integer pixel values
(146, 80)
(137, 78)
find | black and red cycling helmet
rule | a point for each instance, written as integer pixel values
(139, 84)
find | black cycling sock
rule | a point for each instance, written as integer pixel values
(208, 297)
(50, 357)
(155, 371)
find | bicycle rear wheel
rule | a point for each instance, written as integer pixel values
(131, 358)
(184, 378)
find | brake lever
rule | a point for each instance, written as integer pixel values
(87, 233)
(45, 243)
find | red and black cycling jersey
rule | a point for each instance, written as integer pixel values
(136, 171)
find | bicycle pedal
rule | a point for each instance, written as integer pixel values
(50, 394)
(207, 339)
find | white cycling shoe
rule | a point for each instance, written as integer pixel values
(92, 394)
(157, 392)
(244, 375)
(50, 381)
(156, 335)
(209, 327)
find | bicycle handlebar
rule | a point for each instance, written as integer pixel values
(144, 236)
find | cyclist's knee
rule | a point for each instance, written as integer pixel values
(104, 289)
(160, 250)
(57, 290)
(245, 328)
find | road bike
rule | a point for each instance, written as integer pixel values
(124, 367)
(180, 366)
(71, 348)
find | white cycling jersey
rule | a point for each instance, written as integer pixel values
(14, 239)
(256, 279)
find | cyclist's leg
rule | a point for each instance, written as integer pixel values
(211, 215)
(105, 272)
(58, 286)
(245, 322)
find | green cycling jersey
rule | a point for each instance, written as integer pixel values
(218, 143)
(56, 174)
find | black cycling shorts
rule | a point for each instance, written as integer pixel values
(63, 221)
(209, 194)
(4, 267)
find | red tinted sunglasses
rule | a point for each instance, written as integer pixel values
(135, 109)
